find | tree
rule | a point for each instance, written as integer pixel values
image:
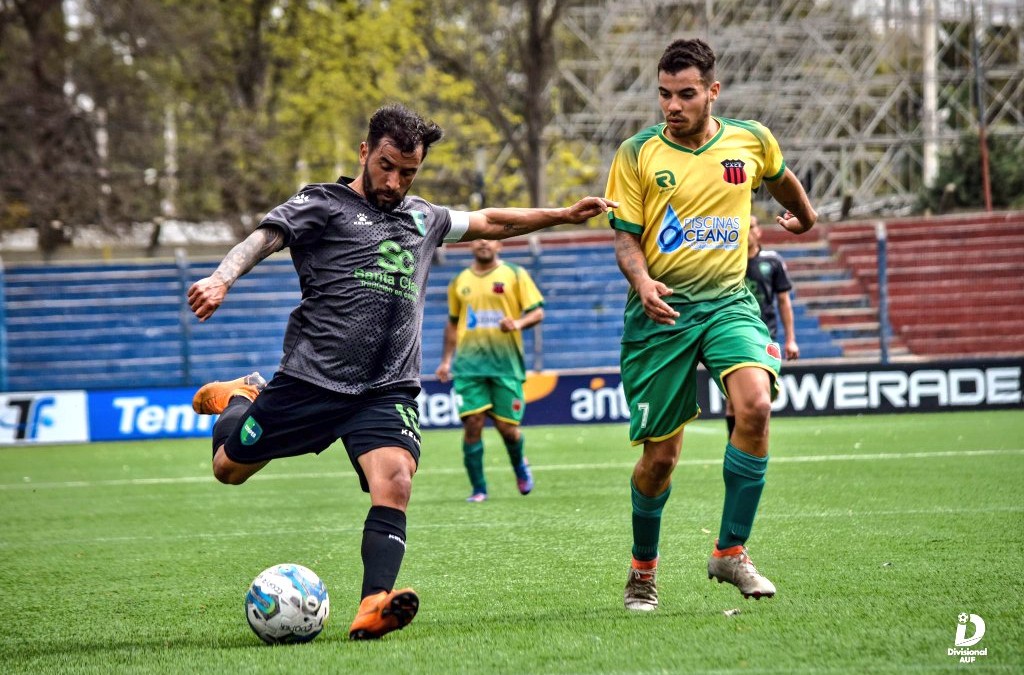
(958, 184)
(120, 112)
(508, 50)
(47, 154)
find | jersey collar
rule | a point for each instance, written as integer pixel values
(712, 141)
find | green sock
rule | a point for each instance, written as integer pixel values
(744, 481)
(473, 458)
(647, 522)
(515, 452)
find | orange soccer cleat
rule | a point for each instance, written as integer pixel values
(383, 612)
(212, 398)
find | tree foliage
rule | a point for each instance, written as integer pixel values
(118, 112)
(509, 52)
(959, 181)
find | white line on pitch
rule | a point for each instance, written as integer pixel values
(487, 525)
(27, 484)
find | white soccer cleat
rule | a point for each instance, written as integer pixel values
(734, 566)
(641, 592)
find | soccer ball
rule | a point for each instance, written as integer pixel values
(287, 603)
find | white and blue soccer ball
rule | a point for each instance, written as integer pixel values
(287, 603)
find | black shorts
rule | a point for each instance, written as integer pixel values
(293, 417)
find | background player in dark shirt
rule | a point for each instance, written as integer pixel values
(362, 248)
(768, 280)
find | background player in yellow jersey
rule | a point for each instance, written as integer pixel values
(490, 303)
(684, 188)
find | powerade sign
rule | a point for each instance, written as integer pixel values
(153, 413)
(551, 398)
(804, 390)
(838, 390)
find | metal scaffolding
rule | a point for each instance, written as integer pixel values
(861, 94)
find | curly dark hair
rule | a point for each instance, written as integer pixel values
(683, 54)
(405, 128)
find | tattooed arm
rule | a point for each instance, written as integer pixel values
(498, 223)
(205, 295)
(629, 254)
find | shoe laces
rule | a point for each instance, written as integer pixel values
(641, 584)
(745, 564)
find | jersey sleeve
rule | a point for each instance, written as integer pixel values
(529, 295)
(624, 188)
(774, 164)
(303, 217)
(459, 225)
(436, 222)
(454, 306)
(781, 281)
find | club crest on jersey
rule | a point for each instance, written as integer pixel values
(420, 221)
(499, 287)
(734, 171)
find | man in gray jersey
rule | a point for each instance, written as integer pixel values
(362, 249)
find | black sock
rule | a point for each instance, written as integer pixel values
(237, 407)
(730, 423)
(383, 548)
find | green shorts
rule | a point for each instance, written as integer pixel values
(499, 397)
(659, 372)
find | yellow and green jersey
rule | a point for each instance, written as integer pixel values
(479, 302)
(691, 208)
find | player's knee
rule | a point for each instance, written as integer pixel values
(753, 414)
(228, 475)
(226, 471)
(394, 491)
(473, 425)
(509, 432)
(659, 467)
(401, 488)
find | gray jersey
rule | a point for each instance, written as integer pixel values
(363, 275)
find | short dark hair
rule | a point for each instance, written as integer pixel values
(683, 54)
(405, 128)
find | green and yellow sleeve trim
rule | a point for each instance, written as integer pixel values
(624, 225)
(778, 175)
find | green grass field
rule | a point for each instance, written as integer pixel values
(878, 532)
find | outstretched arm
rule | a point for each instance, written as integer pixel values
(629, 254)
(800, 216)
(206, 295)
(502, 223)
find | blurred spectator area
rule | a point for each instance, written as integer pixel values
(954, 286)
